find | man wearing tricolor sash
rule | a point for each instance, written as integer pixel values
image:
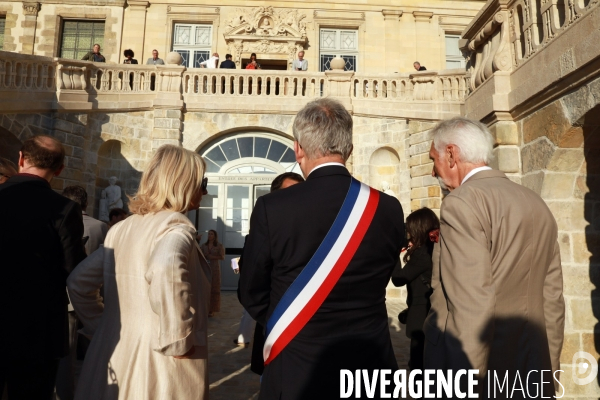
(316, 264)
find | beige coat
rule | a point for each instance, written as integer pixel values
(497, 300)
(156, 295)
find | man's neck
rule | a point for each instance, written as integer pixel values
(42, 173)
(464, 169)
(309, 164)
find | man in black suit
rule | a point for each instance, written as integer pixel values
(228, 63)
(40, 242)
(349, 329)
(418, 66)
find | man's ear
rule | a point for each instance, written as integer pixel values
(451, 151)
(350, 153)
(300, 155)
(21, 160)
(58, 171)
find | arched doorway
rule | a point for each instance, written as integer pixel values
(240, 169)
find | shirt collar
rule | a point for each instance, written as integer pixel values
(327, 164)
(473, 172)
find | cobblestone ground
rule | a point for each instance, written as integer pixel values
(229, 365)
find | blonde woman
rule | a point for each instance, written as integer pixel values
(214, 253)
(149, 335)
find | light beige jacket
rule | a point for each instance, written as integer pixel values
(497, 280)
(156, 296)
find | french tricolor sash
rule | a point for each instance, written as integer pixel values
(310, 289)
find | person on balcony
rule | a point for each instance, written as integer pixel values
(155, 60)
(228, 63)
(94, 55)
(253, 64)
(212, 62)
(129, 57)
(418, 66)
(300, 64)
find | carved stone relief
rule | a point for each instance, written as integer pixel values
(265, 30)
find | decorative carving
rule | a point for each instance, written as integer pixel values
(263, 46)
(31, 9)
(266, 21)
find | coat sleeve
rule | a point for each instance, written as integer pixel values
(466, 273)
(171, 291)
(255, 275)
(554, 308)
(71, 234)
(415, 266)
(84, 285)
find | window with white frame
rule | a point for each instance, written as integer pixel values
(338, 42)
(193, 42)
(454, 57)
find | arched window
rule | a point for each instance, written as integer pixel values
(251, 153)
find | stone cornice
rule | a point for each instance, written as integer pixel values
(391, 15)
(138, 4)
(422, 16)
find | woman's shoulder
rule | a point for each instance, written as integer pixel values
(420, 255)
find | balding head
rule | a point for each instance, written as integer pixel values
(43, 156)
(43, 152)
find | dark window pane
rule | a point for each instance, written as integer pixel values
(185, 55)
(276, 151)
(200, 56)
(245, 145)
(230, 149)
(289, 156)
(217, 156)
(79, 37)
(261, 147)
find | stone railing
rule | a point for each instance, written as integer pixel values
(60, 84)
(449, 85)
(506, 33)
(223, 82)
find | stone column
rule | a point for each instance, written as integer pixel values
(135, 28)
(29, 25)
(423, 30)
(507, 154)
(168, 104)
(391, 22)
(340, 82)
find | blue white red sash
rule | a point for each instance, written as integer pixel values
(310, 289)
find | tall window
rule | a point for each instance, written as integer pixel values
(454, 57)
(78, 37)
(193, 42)
(338, 42)
(2, 26)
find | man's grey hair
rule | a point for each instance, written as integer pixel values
(323, 128)
(473, 138)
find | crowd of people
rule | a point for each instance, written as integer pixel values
(484, 280)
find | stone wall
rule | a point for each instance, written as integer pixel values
(424, 188)
(560, 159)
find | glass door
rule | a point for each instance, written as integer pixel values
(238, 202)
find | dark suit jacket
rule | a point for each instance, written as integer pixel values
(40, 243)
(419, 265)
(350, 329)
(228, 64)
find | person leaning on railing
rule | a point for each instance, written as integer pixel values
(94, 55)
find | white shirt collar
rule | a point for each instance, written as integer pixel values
(327, 164)
(473, 172)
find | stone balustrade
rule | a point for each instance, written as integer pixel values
(507, 33)
(81, 85)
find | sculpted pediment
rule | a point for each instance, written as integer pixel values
(267, 22)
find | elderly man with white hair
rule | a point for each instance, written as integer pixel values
(497, 304)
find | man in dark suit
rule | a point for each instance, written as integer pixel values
(40, 242)
(228, 63)
(349, 329)
(418, 66)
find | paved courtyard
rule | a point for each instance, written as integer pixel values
(229, 365)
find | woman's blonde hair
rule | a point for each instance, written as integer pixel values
(170, 182)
